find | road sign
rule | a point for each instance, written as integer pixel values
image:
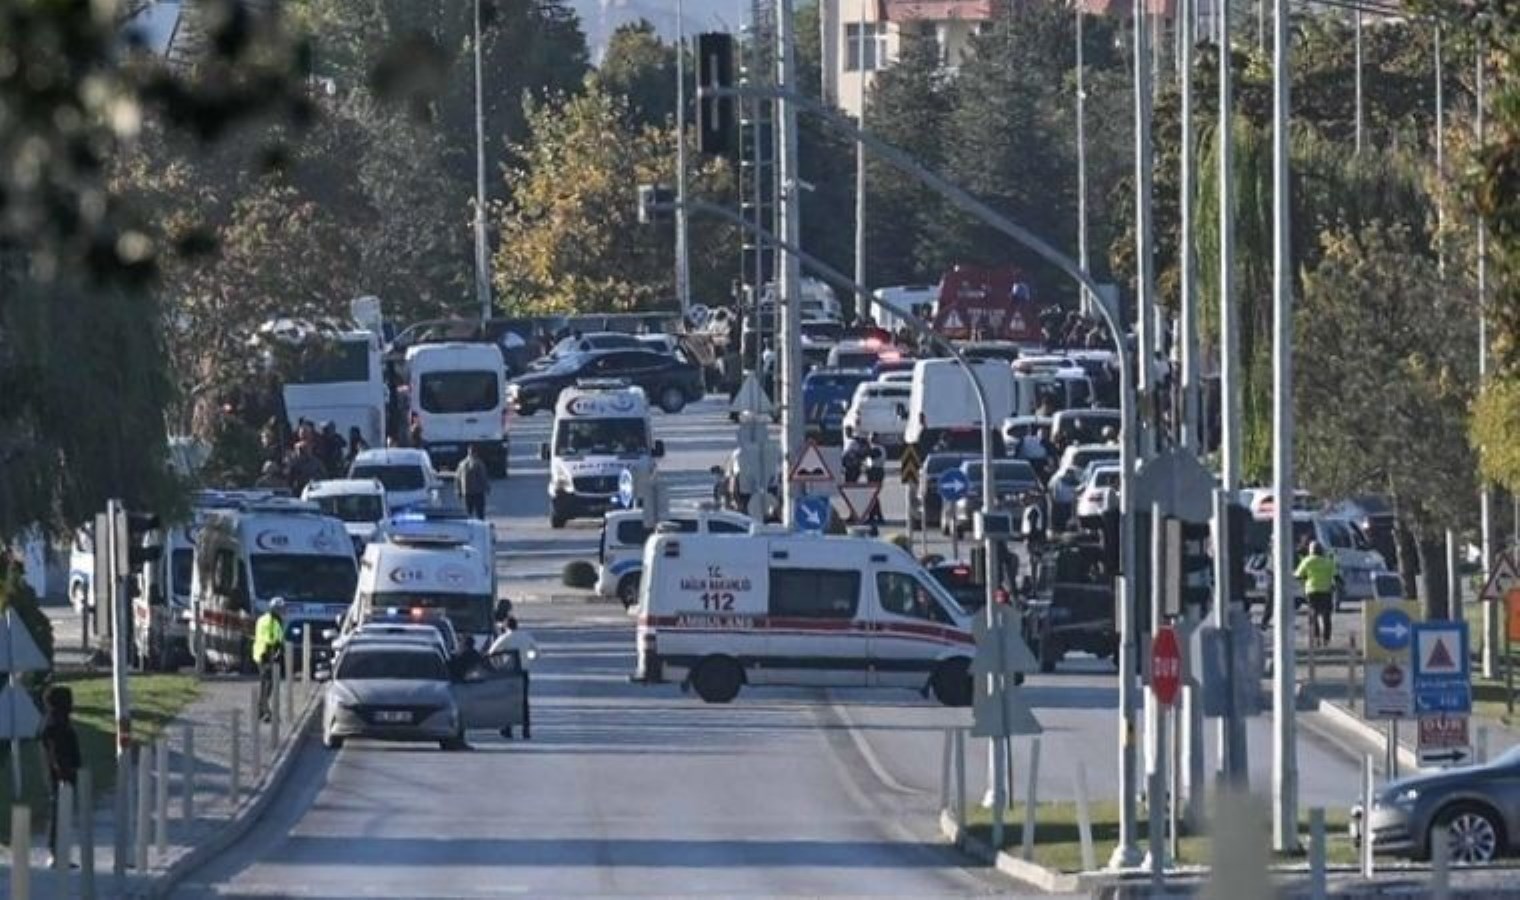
(19, 718)
(810, 467)
(1389, 627)
(750, 398)
(1166, 665)
(1442, 681)
(18, 649)
(1444, 740)
(908, 464)
(998, 708)
(626, 489)
(860, 498)
(953, 485)
(1388, 690)
(1504, 575)
(811, 512)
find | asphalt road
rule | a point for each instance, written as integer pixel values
(632, 790)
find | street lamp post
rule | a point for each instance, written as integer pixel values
(482, 258)
(1082, 260)
(860, 164)
(683, 258)
(790, 305)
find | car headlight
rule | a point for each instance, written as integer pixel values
(1405, 797)
(561, 481)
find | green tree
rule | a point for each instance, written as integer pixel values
(641, 67)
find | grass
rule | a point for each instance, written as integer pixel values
(156, 700)
(1058, 844)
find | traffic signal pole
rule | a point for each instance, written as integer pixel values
(789, 303)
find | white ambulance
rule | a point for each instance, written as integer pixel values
(427, 573)
(246, 557)
(717, 613)
(601, 427)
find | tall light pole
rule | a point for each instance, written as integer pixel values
(789, 305)
(683, 259)
(1284, 738)
(1082, 260)
(482, 258)
(860, 162)
(1440, 142)
(1356, 19)
(1491, 636)
(1189, 432)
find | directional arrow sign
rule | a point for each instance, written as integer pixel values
(811, 512)
(1392, 628)
(1389, 626)
(953, 485)
(908, 464)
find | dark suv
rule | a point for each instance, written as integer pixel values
(669, 382)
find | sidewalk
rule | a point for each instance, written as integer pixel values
(215, 814)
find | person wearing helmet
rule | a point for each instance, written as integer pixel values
(1317, 572)
(268, 648)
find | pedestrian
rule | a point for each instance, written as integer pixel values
(854, 457)
(876, 474)
(1317, 572)
(268, 651)
(303, 467)
(330, 448)
(414, 434)
(514, 639)
(467, 660)
(356, 445)
(60, 744)
(474, 483)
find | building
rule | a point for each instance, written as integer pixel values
(861, 37)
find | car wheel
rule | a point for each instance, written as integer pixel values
(1473, 833)
(951, 683)
(717, 679)
(556, 521)
(331, 741)
(1050, 654)
(672, 400)
(628, 589)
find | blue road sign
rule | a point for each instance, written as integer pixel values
(1442, 669)
(626, 489)
(811, 512)
(1392, 629)
(953, 485)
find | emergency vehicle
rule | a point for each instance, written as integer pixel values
(620, 558)
(161, 603)
(247, 556)
(601, 427)
(358, 502)
(442, 525)
(717, 613)
(427, 572)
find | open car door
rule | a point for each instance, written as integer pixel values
(493, 697)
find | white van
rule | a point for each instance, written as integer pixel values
(358, 502)
(600, 429)
(1052, 391)
(269, 548)
(458, 395)
(423, 573)
(775, 608)
(943, 400)
(441, 526)
(873, 410)
(406, 472)
(620, 558)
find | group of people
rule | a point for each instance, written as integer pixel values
(1071, 330)
(313, 453)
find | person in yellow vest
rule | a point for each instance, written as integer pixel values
(268, 647)
(1317, 572)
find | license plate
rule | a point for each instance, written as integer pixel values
(393, 715)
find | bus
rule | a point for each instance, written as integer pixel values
(340, 380)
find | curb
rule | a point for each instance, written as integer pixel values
(1366, 732)
(1048, 880)
(242, 818)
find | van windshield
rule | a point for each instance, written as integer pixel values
(468, 613)
(394, 478)
(459, 392)
(301, 578)
(577, 437)
(357, 508)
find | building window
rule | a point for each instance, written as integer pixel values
(873, 41)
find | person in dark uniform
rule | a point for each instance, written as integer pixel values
(60, 744)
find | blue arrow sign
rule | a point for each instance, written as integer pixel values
(953, 485)
(811, 513)
(626, 489)
(1392, 629)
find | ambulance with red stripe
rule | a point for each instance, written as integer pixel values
(245, 557)
(717, 613)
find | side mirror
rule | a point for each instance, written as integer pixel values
(543, 452)
(659, 449)
(321, 674)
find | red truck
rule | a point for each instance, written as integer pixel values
(986, 304)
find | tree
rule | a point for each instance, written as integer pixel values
(1383, 384)
(570, 239)
(642, 68)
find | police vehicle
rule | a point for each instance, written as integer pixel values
(620, 556)
(601, 427)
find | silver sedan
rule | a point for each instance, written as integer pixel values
(397, 691)
(1477, 808)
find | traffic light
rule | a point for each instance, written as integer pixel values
(1236, 518)
(717, 125)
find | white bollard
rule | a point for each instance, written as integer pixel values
(960, 778)
(306, 660)
(21, 852)
(1440, 866)
(121, 838)
(1367, 791)
(161, 798)
(1084, 821)
(1031, 801)
(235, 763)
(86, 795)
(288, 676)
(1317, 853)
(274, 711)
(187, 774)
(64, 832)
(944, 770)
(141, 826)
(255, 742)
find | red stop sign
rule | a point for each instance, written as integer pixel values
(1166, 666)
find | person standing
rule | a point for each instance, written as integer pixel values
(473, 482)
(60, 744)
(515, 640)
(268, 650)
(1317, 572)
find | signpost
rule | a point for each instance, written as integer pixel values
(1505, 575)
(860, 500)
(19, 718)
(1442, 676)
(1166, 665)
(811, 468)
(811, 513)
(953, 485)
(907, 473)
(1388, 689)
(1444, 740)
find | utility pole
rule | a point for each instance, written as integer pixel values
(1188, 434)
(860, 163)
(1145, 306)
(1356, 18)
(1230, 736)
(1284, 737)
(482, 257)
(1082, 260)
(789, 305)
(1491, 636)
(1440, 142)
(683, 260)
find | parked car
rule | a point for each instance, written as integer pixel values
(1014, 480)
(671, 382)
(930, 506)
(1475, 809)
(1098, 494)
